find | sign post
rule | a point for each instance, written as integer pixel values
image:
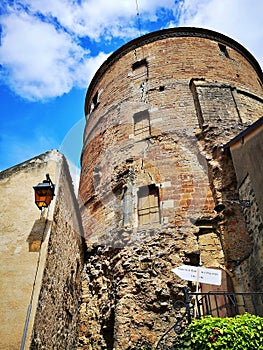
(199, 274)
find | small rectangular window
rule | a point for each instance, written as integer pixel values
(94, 102)
(139, 64)
(223, 50)
(142, 124)
(95, 99)
(148, 205)
(140, 69)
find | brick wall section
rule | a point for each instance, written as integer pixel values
(250, 108)
(128, 286)
(59, 296)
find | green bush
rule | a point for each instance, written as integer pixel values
(243, 332)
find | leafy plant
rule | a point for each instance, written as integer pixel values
(243, 332)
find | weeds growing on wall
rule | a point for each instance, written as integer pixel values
(243, 332)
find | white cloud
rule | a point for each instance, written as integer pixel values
(42, 50)
(43, 62)
(97, 18)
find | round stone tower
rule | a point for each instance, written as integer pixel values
(158, 114)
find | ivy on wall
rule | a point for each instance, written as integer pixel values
(243, 332)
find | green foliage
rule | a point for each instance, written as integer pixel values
(243, 332)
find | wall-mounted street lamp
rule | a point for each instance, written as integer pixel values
(44, 193)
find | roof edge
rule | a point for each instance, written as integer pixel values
(243, 133)
(170, 33)
(52, 154)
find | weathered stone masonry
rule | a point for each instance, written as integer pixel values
(57, 314)
(247, 153)
(158, 112)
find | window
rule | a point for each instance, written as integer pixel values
(223, 50)
(94, 102)
(140, 69)
(148, 205)
(139, 64)
(95, 99)
(142, 124)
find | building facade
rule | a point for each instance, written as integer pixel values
(41, 258)
(171, 175)
(159, 113)
(246, 151)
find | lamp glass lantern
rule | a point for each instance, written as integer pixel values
(44, 193)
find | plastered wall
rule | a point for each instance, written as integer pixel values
(41, 257)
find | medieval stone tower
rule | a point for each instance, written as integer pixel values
(161, 114)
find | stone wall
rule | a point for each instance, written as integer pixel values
(253, 276)
(158, 113)
(246, 152)
(128, 293)
(56, 319)
(41, 258)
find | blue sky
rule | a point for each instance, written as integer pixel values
(50, 49)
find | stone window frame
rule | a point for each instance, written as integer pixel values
(94, 102)
(139, 64)
(140, 69)
(223, 50)
(141, 124)
(95, 99)
(148, 205)
(127, 205)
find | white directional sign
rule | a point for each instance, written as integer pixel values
(199, 274)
